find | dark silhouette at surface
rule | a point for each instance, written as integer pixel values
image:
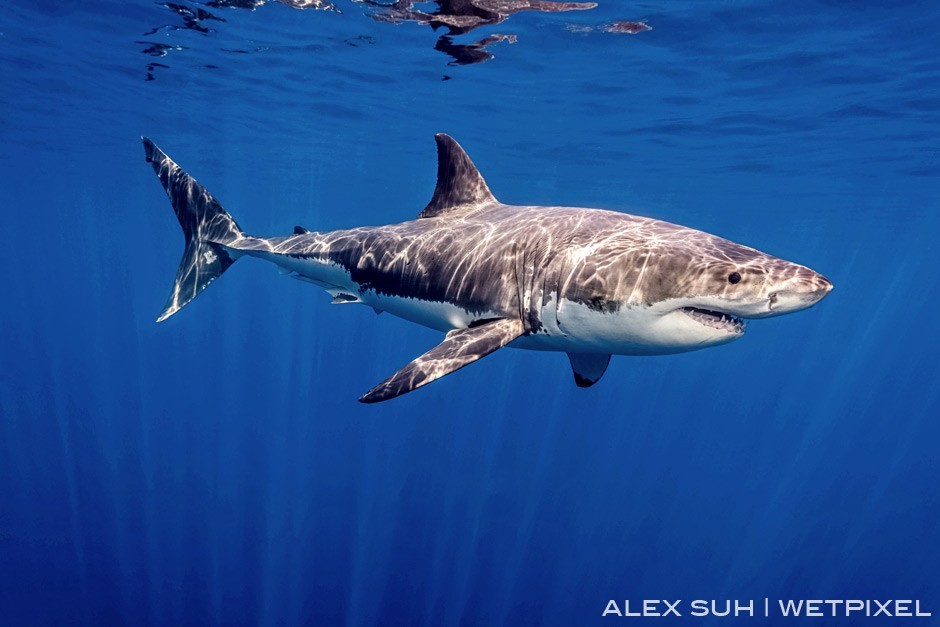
(460, 17)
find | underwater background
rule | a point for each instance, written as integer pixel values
(217, 469)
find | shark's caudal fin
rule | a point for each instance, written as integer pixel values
(459, 184)
(460, 348)
(207, 227)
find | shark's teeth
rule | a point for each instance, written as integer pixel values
(715, 319)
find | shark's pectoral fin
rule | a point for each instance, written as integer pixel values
(588, 368)
(459, 348)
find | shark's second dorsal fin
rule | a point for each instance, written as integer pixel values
(459, 183)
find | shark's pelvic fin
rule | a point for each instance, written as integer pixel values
(459, 348)
(343, 297)
(207, 227)
(459, 184)
(588, 368)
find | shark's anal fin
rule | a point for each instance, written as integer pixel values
(459, 184)
(588, 368)
(459, 348)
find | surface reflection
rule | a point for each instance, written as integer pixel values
(458, 17)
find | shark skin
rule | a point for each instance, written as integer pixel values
(587, 282)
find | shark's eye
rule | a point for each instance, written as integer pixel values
(734, 277)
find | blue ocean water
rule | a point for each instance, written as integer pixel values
(217, 469)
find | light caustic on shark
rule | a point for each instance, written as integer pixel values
(587, 282)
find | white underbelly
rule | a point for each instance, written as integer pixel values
(442, 316)
(576, 328)
(336, 280)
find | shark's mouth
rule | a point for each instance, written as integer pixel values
(715, 319)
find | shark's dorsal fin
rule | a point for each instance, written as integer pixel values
(459, 184)
(588, 368)
(459, 348)
(299, 230)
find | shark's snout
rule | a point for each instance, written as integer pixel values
(802, 291)
(822, 287)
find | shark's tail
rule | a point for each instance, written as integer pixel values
(207, 227)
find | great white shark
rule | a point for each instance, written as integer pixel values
(586, 282)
